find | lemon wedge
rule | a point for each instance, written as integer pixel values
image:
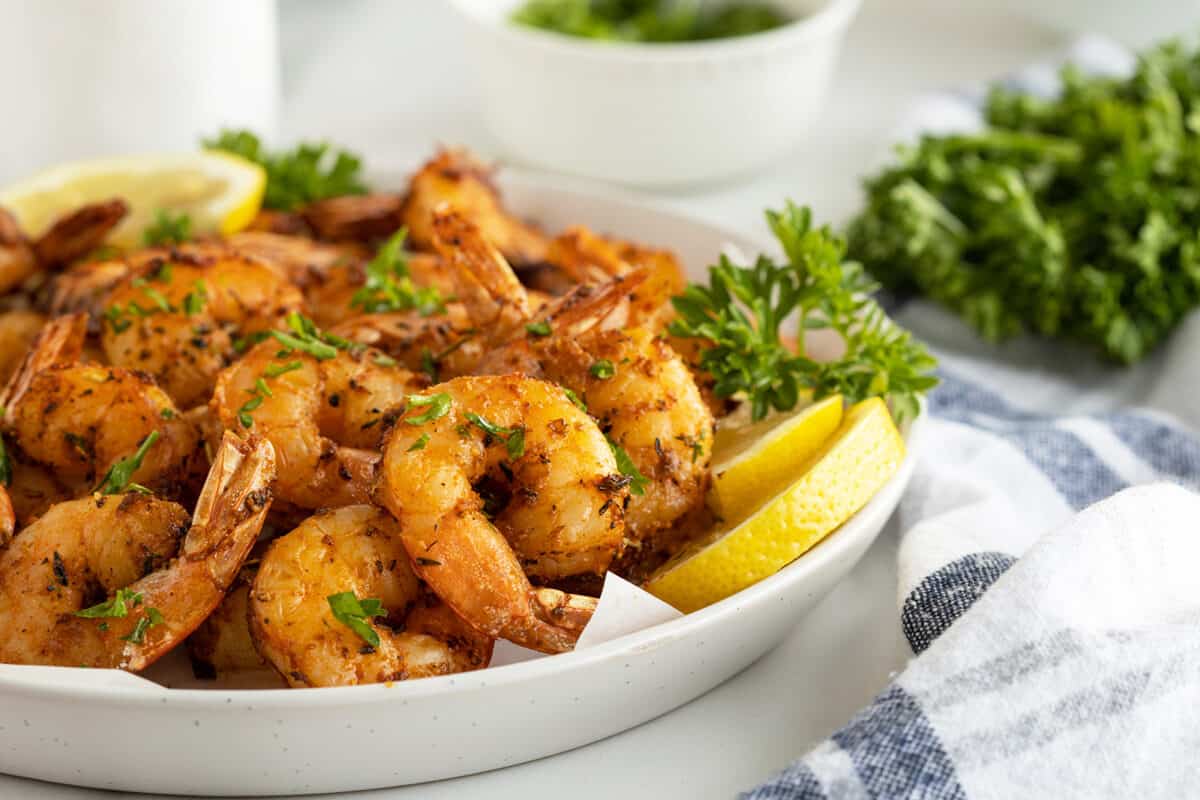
(849, 468)
(753, 460)
(219, 192)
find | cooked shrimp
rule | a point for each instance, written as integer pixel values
(553, 478)
(61, 417)
(324, 417)
(180, 321)
(127, 548)
(442, 346)
(362, 217)
(631, 381)
(223, 643)
(302, 260)
(8, 518)
(589, 258)
(18, 330)
(82, 231)
(454, 178)
(356, 549)
(17, 259)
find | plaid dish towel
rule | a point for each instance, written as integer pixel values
(1049, 570)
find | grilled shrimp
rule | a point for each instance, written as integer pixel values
(75, 235)
(60, 414)
(18, 330)
(356, 549)
(324, 417)
(354, 217)
(631, 381)
(223, 643)
(8, 518)
(161, 577)
(454, 178)
(180, 321)
(17, 259)
(498, 479)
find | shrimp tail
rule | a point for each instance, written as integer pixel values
(569, 612)
(59, 343)
(485, 282)
(229, 516)
(79, 233)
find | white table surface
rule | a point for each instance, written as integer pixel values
(387, 79)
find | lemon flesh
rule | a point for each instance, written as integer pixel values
(761, 459)
(221, 193)
(852, 465)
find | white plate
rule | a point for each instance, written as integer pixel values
(131, 735)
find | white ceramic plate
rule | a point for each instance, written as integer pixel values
(124, 733)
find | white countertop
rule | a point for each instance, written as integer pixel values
(386, 78)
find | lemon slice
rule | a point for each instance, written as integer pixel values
(847, 471)
(219, 192)
(761, 459)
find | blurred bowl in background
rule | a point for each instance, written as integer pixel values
(654, 114)
(1135, 24)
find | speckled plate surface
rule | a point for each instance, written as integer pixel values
(116, 731)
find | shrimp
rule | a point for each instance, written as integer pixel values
(18, 330)
(179, 322)
(325, 417)
(455, 179)
(498, 479)
(8, 518)
(362, 218)
(223, 643)
(18, 262)
(161, 577)
(60, 415)
(589, 258)
(356, 549)
(635, 385)
(443, 345)
(82, 231)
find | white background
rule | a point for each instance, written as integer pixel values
(389, 79)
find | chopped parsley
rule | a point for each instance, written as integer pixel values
(275, 370)
(167, 228)
(138, 634)
(118, 477)
(439, 406)
(116, 606)
(539, 329)
(419, 444)
(194, 300)
(389, 285)
(602, 369)
(356, 614)
(513, 438)
(637, 481)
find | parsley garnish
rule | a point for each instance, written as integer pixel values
(356, 614)
(513, 438)
(193, 301)
(118, 477)
(742, 309)
(389, 285)
(419, 444)
(168, 228)
(5, 464)
(306, 338)
(574, 398)
(138, 634)
(275, 370)
(637, 481)
(312, 171)
(116, 606)
(539, 328)
(439, 406)
(602, 369)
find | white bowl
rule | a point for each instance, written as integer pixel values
(80, 726)
(653, 114)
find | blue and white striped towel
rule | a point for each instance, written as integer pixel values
(1056, 649)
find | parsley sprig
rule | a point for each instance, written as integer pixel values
(311, 171)
(389, 285)
(1072, 217)
(742, 309)
(513, 438)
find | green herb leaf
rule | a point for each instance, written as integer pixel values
(275, 370)
(117, 479)
(116, 606)
(194, 300)
(439, 406)
(167, 228)
(389, 285)
(539, 329)
(574, 398)
(419, 444)
(311, 171)
(649, 20)
(637, 481)
(138, 634)
(602, 369)
(356, 614)
(741, 311)
(5, 464)
(513, 438)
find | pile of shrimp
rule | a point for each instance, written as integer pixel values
(355, 443)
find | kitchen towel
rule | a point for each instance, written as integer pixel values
(1047, 568)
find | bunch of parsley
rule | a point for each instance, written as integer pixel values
(649, 20)
(741, 313)
(312, 171)
(1076, 217)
